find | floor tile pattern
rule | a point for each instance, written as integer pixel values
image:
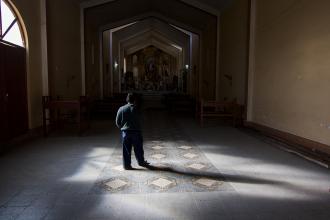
(180, 166)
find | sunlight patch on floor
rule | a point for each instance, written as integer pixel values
(94, 162)
(268, 191)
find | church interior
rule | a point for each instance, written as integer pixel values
(232, 98)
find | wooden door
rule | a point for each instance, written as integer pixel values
(3, 103)
(15, 110)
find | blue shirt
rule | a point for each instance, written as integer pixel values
(128, 119)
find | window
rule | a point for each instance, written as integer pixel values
(10, 29)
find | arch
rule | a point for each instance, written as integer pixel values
(148, 30)
(13, 26)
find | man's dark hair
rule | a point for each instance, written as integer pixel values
(131, 98)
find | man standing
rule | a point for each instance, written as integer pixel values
(128, 120)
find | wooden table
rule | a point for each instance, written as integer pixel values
(219, 109)
(51, 110)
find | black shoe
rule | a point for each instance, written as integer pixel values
(128, 168)
(144, 164)
(147, 165)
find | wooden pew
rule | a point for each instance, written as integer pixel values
(205, 109)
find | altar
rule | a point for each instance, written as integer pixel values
(152, 69)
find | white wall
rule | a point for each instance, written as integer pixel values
(292, 80)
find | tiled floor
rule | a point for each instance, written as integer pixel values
(178, 165)
(70, 177)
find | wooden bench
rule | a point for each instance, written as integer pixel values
(225, 109)
(55, 110)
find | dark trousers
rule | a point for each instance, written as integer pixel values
(130, 139)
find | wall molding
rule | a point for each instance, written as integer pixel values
(44, 49)
(251, 60)
(303, 145)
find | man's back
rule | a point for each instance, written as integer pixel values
(127, 118)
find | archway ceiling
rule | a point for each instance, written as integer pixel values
(152, 24)
(153, 34)
(144, 29)
(150, 35)
(180, 13)
(154, 42)
(150, 38)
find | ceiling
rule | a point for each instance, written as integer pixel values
(152, 24)
(219, 5)
(152, 31)
(120, 12)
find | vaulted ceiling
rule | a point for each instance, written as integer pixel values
(152, 31)
(152, 24)
(174, 11)
(218, 5)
